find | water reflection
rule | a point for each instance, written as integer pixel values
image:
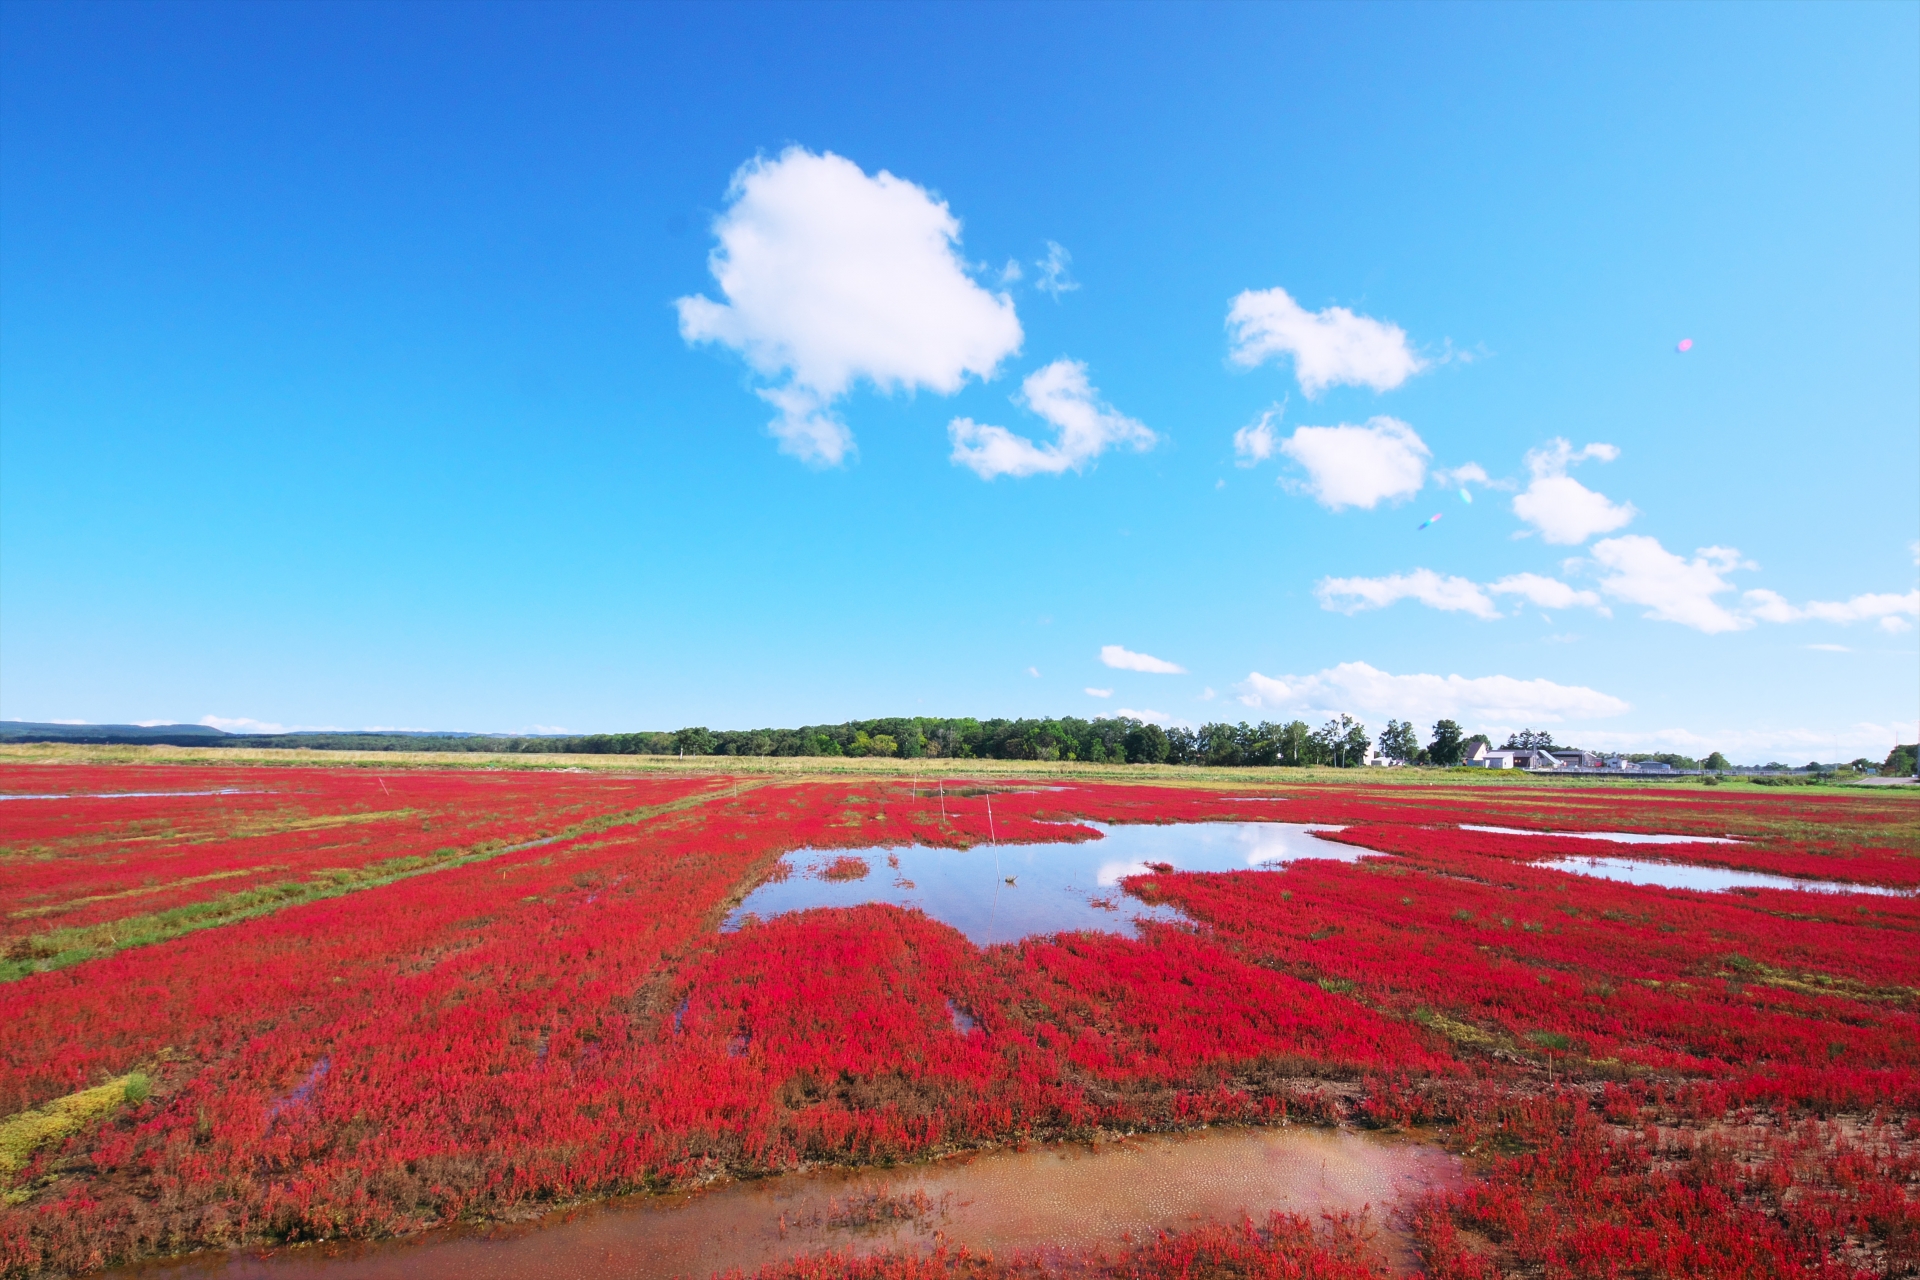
(1002, 893)
(1070, 1196)
(1618, 837)
(1675, 875)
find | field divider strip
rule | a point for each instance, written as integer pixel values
(64, 948)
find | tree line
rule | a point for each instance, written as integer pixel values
(1341, 742)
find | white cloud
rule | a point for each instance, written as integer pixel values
(1151, 717)
(1451, 594)
(1884, 608)
(1034, 672)
(1054, 272)
(1350, 466)
(1329, 348)
(1565, 511)
(1641, 571)
(1356, 688)
(242, 724)
(1255, 443)
(1098, 693)
(830, 277)
(1548, 593)
(1759, 745)
(1207, 694)
(1830, 648)
(1060, 394)
(1127, 660)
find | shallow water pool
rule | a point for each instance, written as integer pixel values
(1677, 875)
(1617, 837)
(1002, 893)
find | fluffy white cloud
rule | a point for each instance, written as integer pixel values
(1357, 688)
(1060, 394)
(1255, 443)
(1127, 660)
(1055, 272)
(1151, 717)
(1641, 571)
(1098, 693)
(1563, 510)
(830, 277)
(1548, 593)
(1885, 608)
(1329, 348)
(1451, 594)
(1350, 466)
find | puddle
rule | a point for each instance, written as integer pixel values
(133, 795)
(1002, 893)
(1618, 837)
(1676, 875)
(1071, 1196)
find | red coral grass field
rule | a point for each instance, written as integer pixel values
(258, 1005)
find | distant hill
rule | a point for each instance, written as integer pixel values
(186, 735)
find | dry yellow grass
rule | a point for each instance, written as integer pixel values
(23, 1134)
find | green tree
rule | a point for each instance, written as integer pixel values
(1342, 741)
(1400, 741)
(1146, 744)
(1445, 749)
(1528, 740)
(1296, 744)
(1716, 762)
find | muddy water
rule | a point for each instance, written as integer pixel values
(1002, 893)
(1057, 1197)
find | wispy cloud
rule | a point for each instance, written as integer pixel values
(1127, 660)
(1448, 594)
(1255, 443)
(1889, 610)
(1056, 276)
(1098, 693)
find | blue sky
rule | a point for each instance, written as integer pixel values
(596, 368)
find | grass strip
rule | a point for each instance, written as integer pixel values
(74, 904)
(63, 948)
